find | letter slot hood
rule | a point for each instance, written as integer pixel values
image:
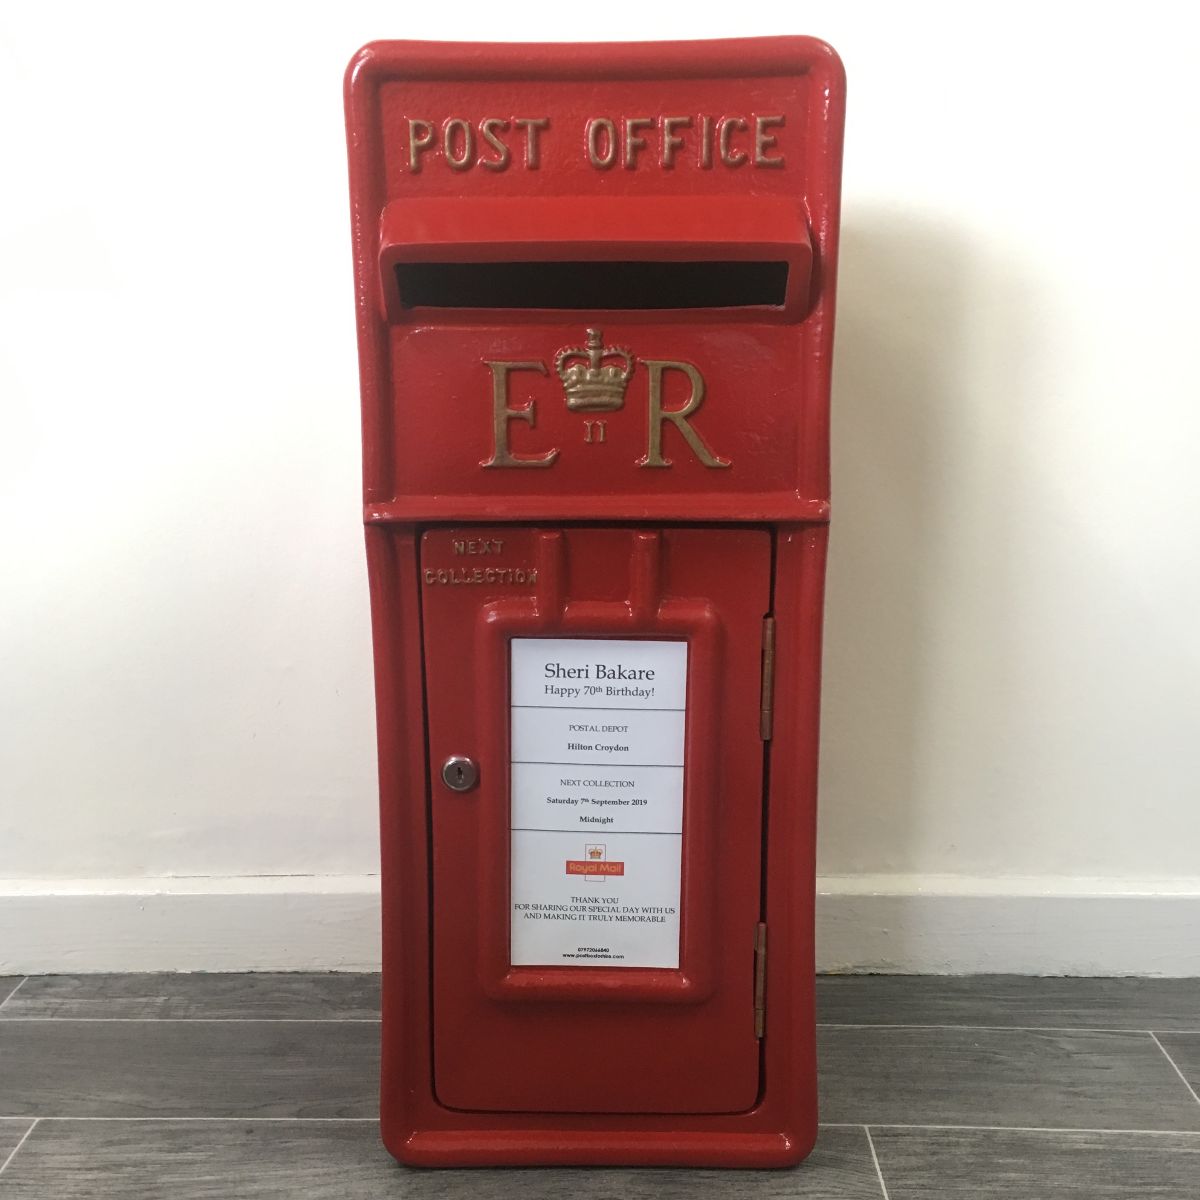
(732, 252)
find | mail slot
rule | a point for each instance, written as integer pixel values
(595, 292)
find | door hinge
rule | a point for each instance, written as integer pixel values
(766, 712)
(760, 979)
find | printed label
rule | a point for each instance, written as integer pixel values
(597, 801)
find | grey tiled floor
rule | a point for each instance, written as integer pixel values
(177, 1087)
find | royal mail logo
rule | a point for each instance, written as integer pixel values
(579, 866)
(595, 863)
(595, 379)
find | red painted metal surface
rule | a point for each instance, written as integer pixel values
(588, 1038)
(683, 496)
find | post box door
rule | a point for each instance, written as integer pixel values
(596, 893)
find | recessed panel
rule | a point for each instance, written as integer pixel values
(596, 895)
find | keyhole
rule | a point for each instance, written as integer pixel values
(460, 773)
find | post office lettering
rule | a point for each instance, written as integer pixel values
(635, 141)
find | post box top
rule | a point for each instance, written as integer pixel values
(630, 247)
(400, 58)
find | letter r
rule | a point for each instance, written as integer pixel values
(677, 416)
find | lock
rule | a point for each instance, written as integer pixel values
(460, 773)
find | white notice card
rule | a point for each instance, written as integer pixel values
(597, 801)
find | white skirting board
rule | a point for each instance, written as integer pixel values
(254, 923)
(956, 925)
(946, 925)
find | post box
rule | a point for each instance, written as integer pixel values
(595, 288)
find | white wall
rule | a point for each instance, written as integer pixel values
(1013, 664)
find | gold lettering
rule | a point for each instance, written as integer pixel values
(633, 143)
(670, 142)
(763, 141)
(725, 128)
(487, 128)
(595, 127)
(458, 130)
(678, 416)
(502, 414)
(706, 127)
(532, 126)
(420, 138)
(467, 576)
(460, 547)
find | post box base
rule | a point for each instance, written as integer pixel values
(516, 1147)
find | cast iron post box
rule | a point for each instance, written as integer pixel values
(595, 292)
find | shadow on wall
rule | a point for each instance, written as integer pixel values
(928, 341)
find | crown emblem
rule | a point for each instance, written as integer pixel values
(594, 376)
(595, 852)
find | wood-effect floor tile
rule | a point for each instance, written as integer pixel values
(1009, 1000)
(280, 996)
(136, 1160)
(1005, 1165)
(11, 1133)
(1078, 1080)
(1184, 1049)
(188, 1068)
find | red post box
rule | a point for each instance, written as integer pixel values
(595, 291)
